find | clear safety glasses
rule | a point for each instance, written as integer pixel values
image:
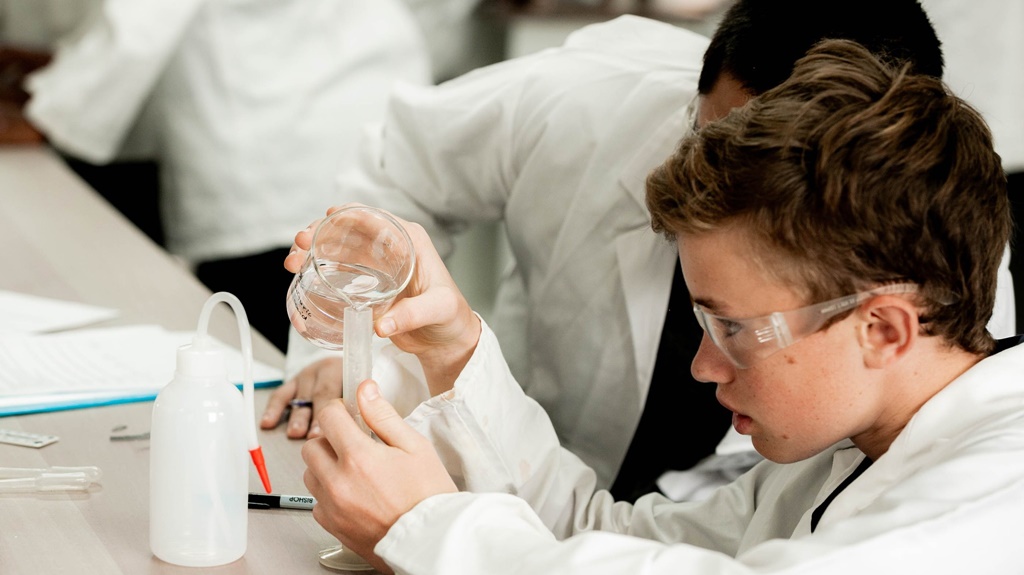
(692, 109)
(747, 341)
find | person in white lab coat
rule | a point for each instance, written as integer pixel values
(557, 146)
(250, 108)
(841, 237)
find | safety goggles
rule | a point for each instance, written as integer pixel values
(747, 341)
(690, 114)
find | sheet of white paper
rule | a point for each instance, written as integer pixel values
(23, 313)
(98, 366)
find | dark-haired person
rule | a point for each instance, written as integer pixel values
(557, 146)
(841, 237)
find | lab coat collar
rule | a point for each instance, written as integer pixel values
(646, 263)
(646, 259)
(947, 415)
(935, 428)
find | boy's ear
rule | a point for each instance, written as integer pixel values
(889, 329)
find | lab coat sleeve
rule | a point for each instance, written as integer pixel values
(466, 533)
(87, 99)
(914, 532)
(493, 438)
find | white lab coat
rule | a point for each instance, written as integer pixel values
(251, 107)
(558, 145)
(947, 497)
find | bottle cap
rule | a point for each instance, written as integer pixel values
(201, 359)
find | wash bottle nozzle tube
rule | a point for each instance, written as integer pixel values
(248, 387)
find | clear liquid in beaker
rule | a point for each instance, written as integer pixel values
(317, 308)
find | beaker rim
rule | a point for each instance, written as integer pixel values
(377, 212)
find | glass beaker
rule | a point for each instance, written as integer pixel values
(360, 259)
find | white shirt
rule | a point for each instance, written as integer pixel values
(250, 107)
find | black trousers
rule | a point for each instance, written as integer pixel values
(131, 187)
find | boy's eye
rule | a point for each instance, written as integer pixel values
(728, 327)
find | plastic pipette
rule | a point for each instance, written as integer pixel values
(31, 480)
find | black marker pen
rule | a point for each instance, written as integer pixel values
(261, 501)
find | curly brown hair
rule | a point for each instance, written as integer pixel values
(853, 174)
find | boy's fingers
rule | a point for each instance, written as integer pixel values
(320, 458)
(294, 260)
(408, 314)
(381, 417)
(277, 403)
(339, 429)
(326, 389)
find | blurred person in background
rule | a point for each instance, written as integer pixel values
(248, 108)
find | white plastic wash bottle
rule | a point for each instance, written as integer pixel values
(198, 472)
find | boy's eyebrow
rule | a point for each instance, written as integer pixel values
(710, 304)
